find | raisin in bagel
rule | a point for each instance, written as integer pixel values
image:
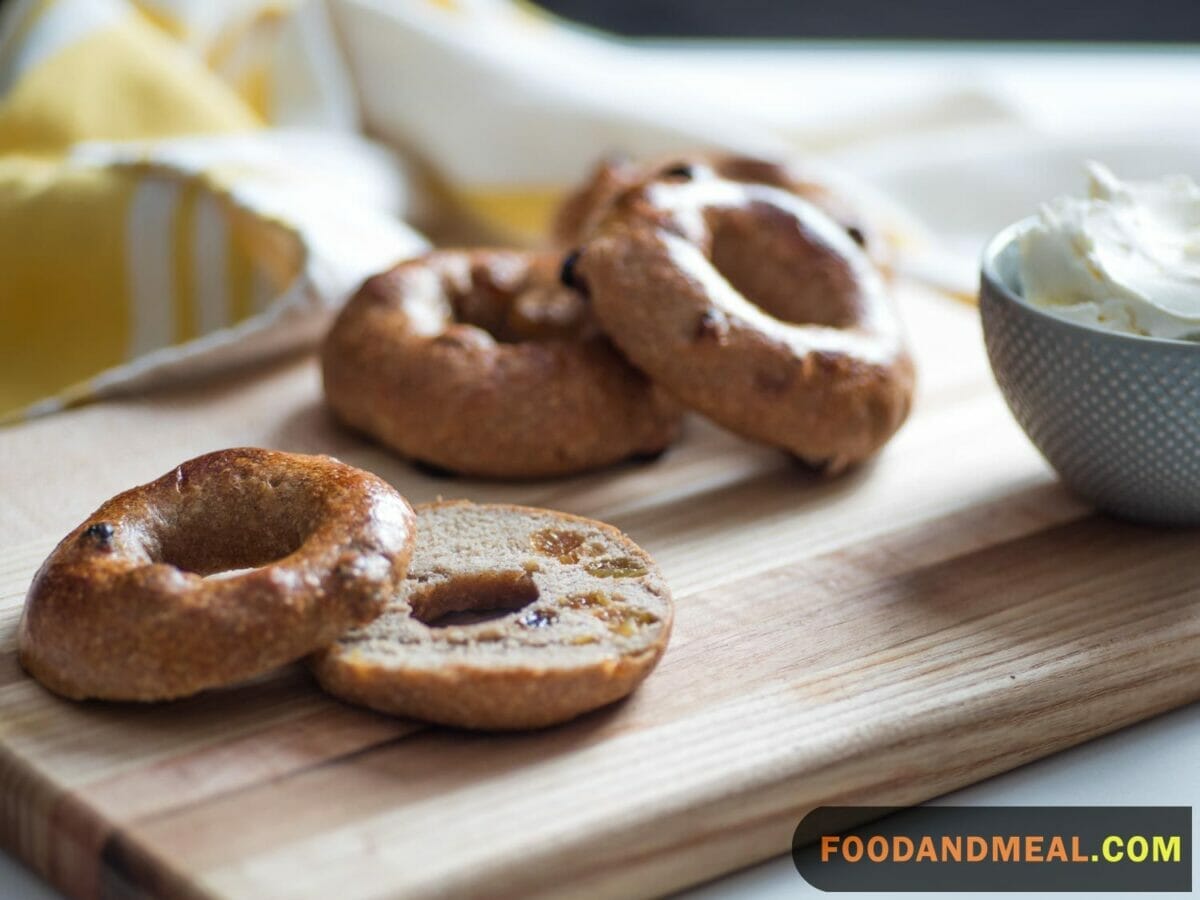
(583, 209)
(590, 617)
(754, 307)
(481, 363)
(121, 609)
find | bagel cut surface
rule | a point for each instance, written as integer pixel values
(584, 617)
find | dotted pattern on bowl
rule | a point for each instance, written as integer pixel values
(1119, 420)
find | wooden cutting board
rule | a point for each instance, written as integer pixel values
(943, 615)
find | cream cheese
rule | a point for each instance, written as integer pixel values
(1126, 258)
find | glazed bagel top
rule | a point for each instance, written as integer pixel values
(584, 208)
(754, 307)
(482, 362)
(122, 609)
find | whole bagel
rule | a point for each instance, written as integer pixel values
(482, 363)
(121, 609)
(754, 307)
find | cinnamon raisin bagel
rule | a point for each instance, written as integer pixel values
(751, 305)
(586, 616)
(482, 363)
(121, 610)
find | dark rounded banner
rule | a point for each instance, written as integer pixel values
(996, 848)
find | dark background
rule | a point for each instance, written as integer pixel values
(1159, 21)
(1174, 21)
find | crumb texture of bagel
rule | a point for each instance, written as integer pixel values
(481, 363)
(123, 609)
(584, 617)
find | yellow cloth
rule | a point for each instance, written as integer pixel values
(126, 79)
(125, 263)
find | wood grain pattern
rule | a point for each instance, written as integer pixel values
(943, 615)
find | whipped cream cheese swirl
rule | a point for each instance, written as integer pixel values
(1126, 258)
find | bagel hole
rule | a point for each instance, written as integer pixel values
(262, 523)
(471, 599)
(512, 308)
(223, 558)
(785, 271)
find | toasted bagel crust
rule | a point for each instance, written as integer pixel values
(752, 306)
(481, 363)
(121, 609)
(587, 205)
